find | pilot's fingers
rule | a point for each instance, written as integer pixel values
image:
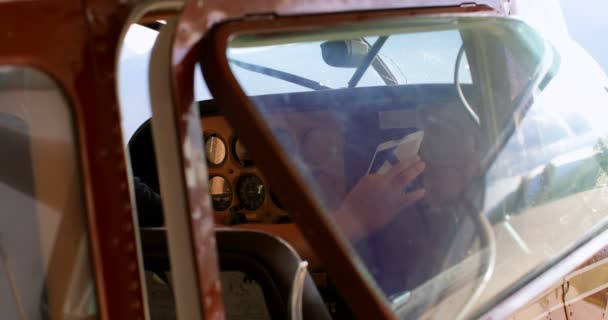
(411, 197)
(408, 175)
(396, 169)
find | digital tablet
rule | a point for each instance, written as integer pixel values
(392, 152)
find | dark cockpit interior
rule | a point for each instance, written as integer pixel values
(253, 223)
(431, 181)
(255, 235)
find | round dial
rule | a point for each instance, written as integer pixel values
(221, 193)
(215, 150)
(241, 154)
(250, 192)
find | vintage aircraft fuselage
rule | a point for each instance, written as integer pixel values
(302, 159)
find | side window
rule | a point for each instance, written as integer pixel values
(439, 184)
(45, 268)
(426, 57)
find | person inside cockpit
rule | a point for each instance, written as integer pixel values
(383, 213)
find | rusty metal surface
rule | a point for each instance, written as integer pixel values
(550, 305)
(201, 217)
(195, 21)
(580, 295)
(76, 47)
(586, 289)
(551, 278)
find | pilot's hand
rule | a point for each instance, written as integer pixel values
(378, 198)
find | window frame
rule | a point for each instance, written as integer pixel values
(223, 86)
(83, 68)
(239, 110)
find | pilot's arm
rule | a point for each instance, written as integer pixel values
(377, 199)
(149, 205)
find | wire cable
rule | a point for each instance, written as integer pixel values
(463, 99)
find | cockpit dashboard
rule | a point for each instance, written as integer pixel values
(239, 190)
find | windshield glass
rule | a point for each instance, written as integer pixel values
(394, 63)
(462, 162)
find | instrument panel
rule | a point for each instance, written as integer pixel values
(241, 193)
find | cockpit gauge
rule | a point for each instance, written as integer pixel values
(241, 154)
(251, 191)
(215, 149)
(221, 193)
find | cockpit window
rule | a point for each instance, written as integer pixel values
(401, 59)
(461, 162)
(45, 265)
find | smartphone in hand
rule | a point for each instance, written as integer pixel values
(390, 153)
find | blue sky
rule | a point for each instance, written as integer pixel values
(588, 24)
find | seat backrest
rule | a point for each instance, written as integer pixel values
(258, 253)
(262, 257)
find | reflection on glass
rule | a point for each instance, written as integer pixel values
(43, 232)
(221, 193)
(319, 146)
(215, 150)
(286, 140)
(447, 185)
